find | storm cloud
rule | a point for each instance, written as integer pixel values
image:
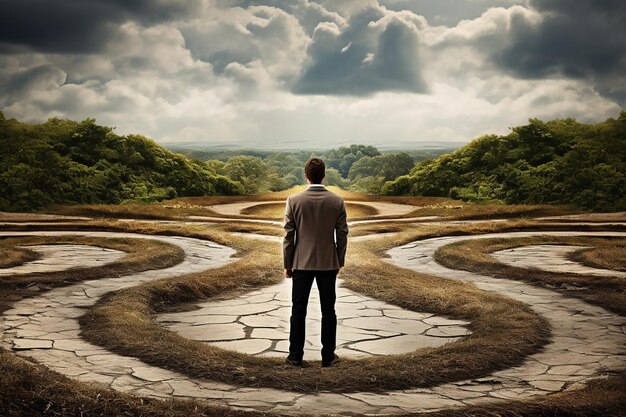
(574, 39)
(375, 52)
(333, 71)
(82, 26)
(21, 85)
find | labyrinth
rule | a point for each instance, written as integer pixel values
(188, 314)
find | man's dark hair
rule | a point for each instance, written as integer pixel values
(315, 170)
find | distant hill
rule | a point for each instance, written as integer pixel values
(65, 162)
(269, 146)
(556, 162)
(223, 154)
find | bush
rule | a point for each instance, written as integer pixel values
(556, 162)
(65, 162)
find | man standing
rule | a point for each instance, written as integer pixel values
(316, 235)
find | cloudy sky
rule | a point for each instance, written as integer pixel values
(312, 73)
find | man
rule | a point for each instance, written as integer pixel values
(316, 235)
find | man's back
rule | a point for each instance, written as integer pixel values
(312, 218)
(314, 248)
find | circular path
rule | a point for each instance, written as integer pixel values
(257, 323)
(383, 208)
(551, 258)
(62, 257)
(587, 340)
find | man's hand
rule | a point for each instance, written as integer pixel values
(288, 273)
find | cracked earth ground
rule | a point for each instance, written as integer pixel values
(587, 341)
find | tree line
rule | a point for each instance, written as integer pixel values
(555, 162)
(68, 162)
(359, 168)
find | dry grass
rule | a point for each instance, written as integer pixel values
(378, 228)
(30, 390)
(276, 211)
(273, 196)
(423, 230)
(200, 206)
(605, 397)
(608, 292)
(35, 391)
(13, 256)
(131, 211)
(177, 209)
(614, 217)
(504, 332)
(12, 217)
(142, 254)
(246, 227)
(605, 257)
(468, 211)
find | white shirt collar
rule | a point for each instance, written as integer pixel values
(316, 185)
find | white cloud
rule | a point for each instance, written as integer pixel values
(228, 74)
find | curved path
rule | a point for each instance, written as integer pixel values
(383, 208)
(257, 323)
(62, 257)
(280, 223)
(587, 341)
(552, 258)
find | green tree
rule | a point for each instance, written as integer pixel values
(389, 166)
(555, 162)
(250, 171)
(333, 177)
(65, 162)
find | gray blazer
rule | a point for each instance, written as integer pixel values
(313, 218)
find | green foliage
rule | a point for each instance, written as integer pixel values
(389, 166)
(343, 158)
(333, 177)
(556, 162)
(359, 165)
(63, 161)
(253, 174)
(68, 162)
(368, 185)
(284, 170)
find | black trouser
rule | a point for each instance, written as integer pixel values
(301, 288)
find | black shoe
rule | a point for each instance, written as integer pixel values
(293, 363)
(333, 361)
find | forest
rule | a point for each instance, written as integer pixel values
(68, 162)
(359, 168)
(555, 162)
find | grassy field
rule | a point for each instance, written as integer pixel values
(504, 331)
(179, 208)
